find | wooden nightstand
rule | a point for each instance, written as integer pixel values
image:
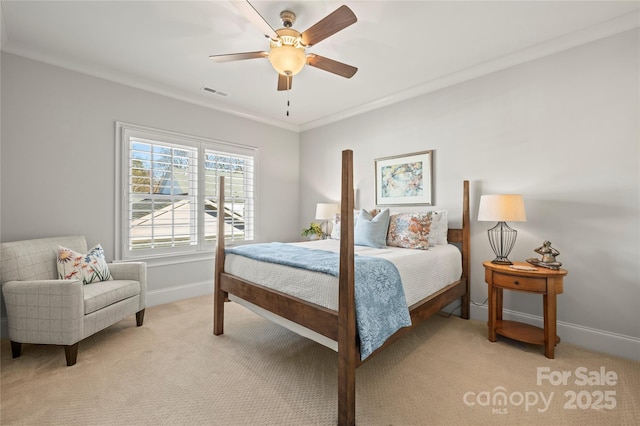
(547, 282)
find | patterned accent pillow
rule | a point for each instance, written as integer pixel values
(87, 268)
(335, 230)
(409, 230)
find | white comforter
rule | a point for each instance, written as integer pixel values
(423, 272)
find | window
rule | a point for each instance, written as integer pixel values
(169, 186)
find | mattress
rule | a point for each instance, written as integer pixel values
(423, 272)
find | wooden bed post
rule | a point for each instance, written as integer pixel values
(347, 342)
(219, 296)
(466, 252)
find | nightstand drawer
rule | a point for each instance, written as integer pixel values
(520, 283)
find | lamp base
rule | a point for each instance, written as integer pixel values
(326, 232)
(502, 239)
(502, 261)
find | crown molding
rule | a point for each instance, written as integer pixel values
(605, 29)
(139, 83)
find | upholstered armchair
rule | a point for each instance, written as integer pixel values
(43, 309)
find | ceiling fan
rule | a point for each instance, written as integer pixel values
(287, 45)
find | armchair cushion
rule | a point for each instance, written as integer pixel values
(103, 294)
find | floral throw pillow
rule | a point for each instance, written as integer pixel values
(88, 268)
(409, 230)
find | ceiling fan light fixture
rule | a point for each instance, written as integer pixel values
(287, 60)
(287, 45)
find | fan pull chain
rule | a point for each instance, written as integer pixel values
(288, 89)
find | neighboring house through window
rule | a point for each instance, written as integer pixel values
(169, 187)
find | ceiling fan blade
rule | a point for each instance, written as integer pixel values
(238, 56)
(255, 18)
(337, 20)
(284, 82)
(331, 66)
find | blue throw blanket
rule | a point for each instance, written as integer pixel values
(381, 307)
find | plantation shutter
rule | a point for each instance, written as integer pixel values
(238, 211)
(162, 195)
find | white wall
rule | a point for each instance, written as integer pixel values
(58, 162)
(562, 131)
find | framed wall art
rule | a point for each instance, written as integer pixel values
(404, 179)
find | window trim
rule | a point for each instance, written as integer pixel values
(124, 131)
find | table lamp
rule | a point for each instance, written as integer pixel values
(502, 208)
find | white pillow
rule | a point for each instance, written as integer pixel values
(439, 228)
(442, 225)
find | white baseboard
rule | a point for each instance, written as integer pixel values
(173, 294)
(590, 338)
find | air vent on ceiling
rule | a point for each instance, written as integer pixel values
(214, 91)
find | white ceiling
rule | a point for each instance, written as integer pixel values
(401, 48)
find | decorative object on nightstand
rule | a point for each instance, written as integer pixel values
(523, 277)
(548, 256)
(314, 232)
(502, 208)
(325, 212)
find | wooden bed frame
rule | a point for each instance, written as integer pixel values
(339, 325)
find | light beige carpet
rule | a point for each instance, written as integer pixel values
(173, 371)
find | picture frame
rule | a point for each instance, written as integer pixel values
(405, 179)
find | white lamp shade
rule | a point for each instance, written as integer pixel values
(325, 211)
(502, 208)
